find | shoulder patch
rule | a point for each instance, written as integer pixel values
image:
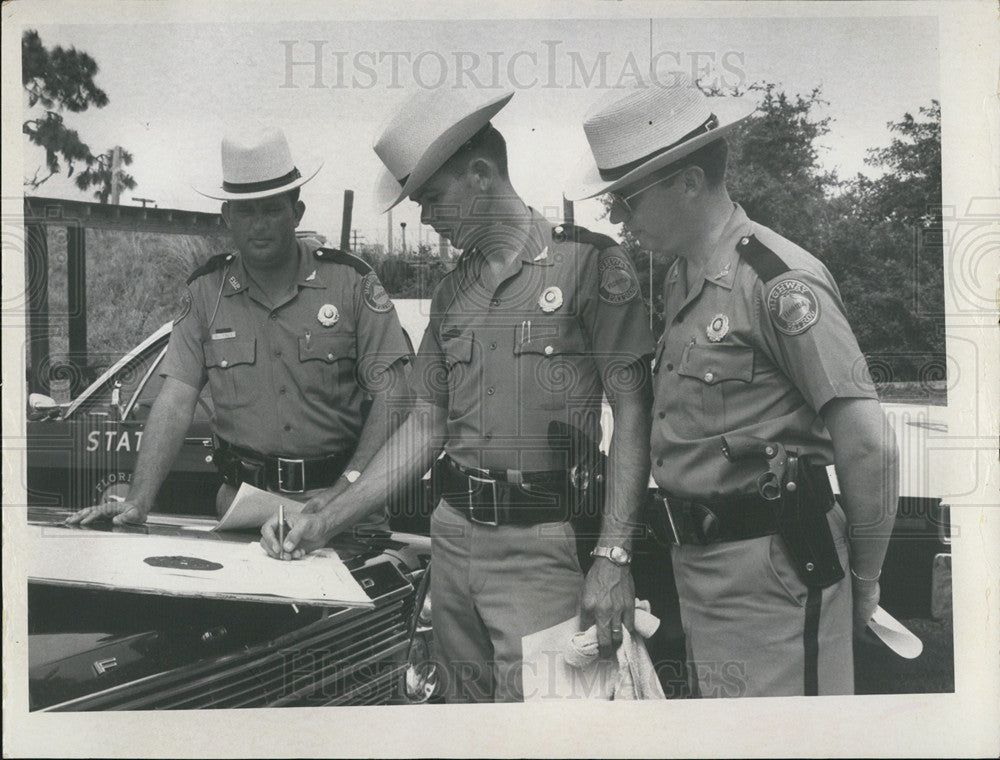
(618, 283)
(213, 264)
(765, 262)
(793, 306)
(374, 294)
(570, 232)
(338, 256)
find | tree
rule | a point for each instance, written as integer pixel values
(100, 174)
(59, 80)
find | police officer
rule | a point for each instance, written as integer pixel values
(525, 335)
(758, 385)
(292, 339)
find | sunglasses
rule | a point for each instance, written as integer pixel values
(620, 203)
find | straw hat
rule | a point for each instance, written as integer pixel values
(258, 164)
(644, 128)
(424, 133)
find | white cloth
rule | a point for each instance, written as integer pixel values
(637, 677)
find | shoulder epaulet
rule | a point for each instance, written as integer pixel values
(216, 262)
(765, 262)
(337, 256)
(564, 232)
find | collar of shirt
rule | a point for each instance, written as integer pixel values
(308, 275)
(721, 267)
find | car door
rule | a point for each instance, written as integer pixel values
(88, 454)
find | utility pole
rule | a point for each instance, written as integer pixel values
(389, 232)
(144, 201)
(345, 225)
(357, 237)
(567, 211)
(403, 226)
(116, 165)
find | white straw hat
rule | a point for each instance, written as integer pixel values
(636, 131)
(423, 134)
(258, 164)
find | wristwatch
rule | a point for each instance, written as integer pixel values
(351, 475)
(618, 555)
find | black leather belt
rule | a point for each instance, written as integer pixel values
(691, 521)
(491, 497)
(283, 474)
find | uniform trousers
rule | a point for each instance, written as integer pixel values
(754, 629)
(491, 586)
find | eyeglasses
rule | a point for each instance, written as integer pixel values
(621, 204)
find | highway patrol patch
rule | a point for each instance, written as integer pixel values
(185, 307)
(374, 294)
(618, 282)
(793, 306)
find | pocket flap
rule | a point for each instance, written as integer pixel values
(457, 348)
(327, 348)
(713, 364)
(227, 353)
(549, 340)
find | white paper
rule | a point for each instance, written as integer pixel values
(895, 635)
(253, 507)
(70, 556)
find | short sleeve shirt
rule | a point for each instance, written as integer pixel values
(544, 346)
(288, 379)
(748, 352)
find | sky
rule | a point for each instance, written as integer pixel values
(176, 89)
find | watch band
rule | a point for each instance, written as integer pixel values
(617, 555)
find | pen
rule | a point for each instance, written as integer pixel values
(281, 529)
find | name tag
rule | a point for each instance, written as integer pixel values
(223, 334)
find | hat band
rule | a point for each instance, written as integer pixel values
(617, 172)
(256, 187)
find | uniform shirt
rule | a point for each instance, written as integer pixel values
(289, 379)
(506, 362)
(749, 354)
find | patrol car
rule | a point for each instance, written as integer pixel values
(98, 648)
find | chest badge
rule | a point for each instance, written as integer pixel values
(550, 299)
(328, 315)
(718, 328)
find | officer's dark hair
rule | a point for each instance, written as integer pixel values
(486, 143)
(711, 158)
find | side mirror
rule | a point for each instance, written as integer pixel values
(41, 407)
(115, 404)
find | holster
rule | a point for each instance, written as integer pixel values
(587, 476)
(806, 497)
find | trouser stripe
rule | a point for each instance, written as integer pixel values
(810, 640)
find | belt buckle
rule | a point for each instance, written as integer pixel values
(472, 509)
(283, 480)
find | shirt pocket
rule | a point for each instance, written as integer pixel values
(462, 390)
(549, 365)
(232, 371)
(327, 364)
(715, 375)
